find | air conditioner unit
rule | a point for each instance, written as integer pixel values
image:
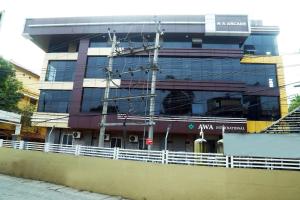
(133, 138)
(106, 137)
(76, 134)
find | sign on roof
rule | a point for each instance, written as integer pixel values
(227, 25)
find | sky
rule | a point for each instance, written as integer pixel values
(14, 46)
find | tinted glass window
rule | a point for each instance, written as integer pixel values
(166, 44)
(99, 41)
(200, 103)
(92, 100)
(259, 74)
(56, 101)
(60, 70)
(261, 108)
(184, 103)
(206, 69)
(58, 46)
(263, 44)
(95, 67)
(220, 46)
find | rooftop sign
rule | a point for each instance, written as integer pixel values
(227, 25)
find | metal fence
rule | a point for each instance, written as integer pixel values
(164, 157)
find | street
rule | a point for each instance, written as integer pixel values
(12, 188)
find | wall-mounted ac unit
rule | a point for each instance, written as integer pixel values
(76, 134)
(133, 138)
(106, 137)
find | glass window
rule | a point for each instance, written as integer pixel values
(60, 70)
(259, 74)
(95, 67)
(62, 44)
(183, 44)
(185, 103)
(56, 101)
(99, 41)
(58, 46)
(261, 108)
(67, 139)
(262, 44)
(92, 100)
(174, 68)
(220, 46)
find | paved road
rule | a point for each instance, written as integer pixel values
(12, 188)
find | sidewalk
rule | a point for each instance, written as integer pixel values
(12, 188)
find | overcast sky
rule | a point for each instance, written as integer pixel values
(281, 13)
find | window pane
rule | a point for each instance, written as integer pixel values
(60, 70)
(56, 101)
(261, 45)
(185, 103)
(96, 67)
(261, 108)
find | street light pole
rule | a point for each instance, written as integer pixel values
(50, 133)
(166, 138)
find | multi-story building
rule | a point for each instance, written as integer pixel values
(214, 71)
(30, 82)
(30, 95)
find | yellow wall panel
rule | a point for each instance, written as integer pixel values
(257, 126)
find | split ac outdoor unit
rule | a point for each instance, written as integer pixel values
(76, 134)
(133, 138)
(106, 137)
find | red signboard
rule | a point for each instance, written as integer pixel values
(149, 141)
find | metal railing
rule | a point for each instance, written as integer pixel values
(265, 163)
(190, 158)
(164, 157)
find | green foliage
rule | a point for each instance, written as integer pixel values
(26, 113)
(10, 87)
(294, 103)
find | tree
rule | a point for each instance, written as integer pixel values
(10, 87)
(294, 103)
(26, 113)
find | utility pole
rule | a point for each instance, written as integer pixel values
(153, 86)
(106, 99)
(106, 92)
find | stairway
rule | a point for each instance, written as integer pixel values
(290, 123)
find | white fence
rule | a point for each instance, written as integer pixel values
(164, 157)
(265, 163)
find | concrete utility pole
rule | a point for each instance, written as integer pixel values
(106, 92)
(106, 98)
(153, 86)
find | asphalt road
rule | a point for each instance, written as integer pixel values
(12, 188)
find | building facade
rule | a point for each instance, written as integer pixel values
(29, 101)
(213, 71)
